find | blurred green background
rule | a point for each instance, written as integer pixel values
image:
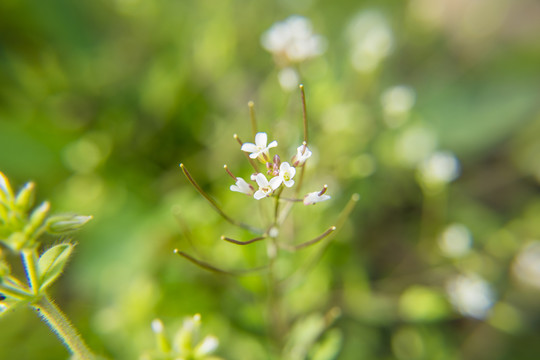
(101, 100)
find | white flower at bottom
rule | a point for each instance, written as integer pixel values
(286, 173)
(266, 188)
(317, 196)
(242, 186)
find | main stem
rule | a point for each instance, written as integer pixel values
(62, 327)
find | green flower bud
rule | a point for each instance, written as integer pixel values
(36, 220)
(25, 197)
(60, 224)
(5, 189)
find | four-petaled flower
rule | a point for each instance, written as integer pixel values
(315, 197)
(242, 186)
(266, 188)
(259, 149)
(302, 154)
(286, 173)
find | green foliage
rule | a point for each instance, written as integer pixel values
(101, 100)
(51, 264)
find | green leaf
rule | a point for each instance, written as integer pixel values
(52, 263)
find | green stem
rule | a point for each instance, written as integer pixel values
(62, 327)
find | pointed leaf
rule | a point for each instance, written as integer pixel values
(52, 263)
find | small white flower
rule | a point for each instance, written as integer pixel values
(242, 186)
(471, 295)
(207, 346)
(286, 173)
(302, 154)
(259, 149)
(440, 168)
(317, 196)
(266, 188)
(157, 326)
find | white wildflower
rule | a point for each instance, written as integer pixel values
(266, 188)
(259, 149)
(286, 173)
(302, 154)
(317, 196)
(242, 186)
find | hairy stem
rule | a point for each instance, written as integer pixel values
(62, 327)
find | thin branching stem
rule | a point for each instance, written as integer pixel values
(14, 292)
(238, 242)
(251, 106)
(312, 241)
(304, 113)
(212, 268)
(215, 205)
(321, 249)
(251, 161)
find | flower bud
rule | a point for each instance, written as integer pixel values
(5, 189)
(37, 218)
(25, 197)
(59, 224)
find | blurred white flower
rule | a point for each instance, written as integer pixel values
(526, 266)
(207, 346)
(415, 144)
(293, 40)
(371, 40)
(470, 295)
(440, 168)
(397, 102)
(288, 79)
(455, 241)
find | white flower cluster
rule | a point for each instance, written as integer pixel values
(282, 173)
(293, 40)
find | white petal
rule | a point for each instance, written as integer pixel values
(235, 188)
(261, 180)
(272, 144)
(261, 139)
(292, 172)
(275, 182)
(254, 155)
(249, 147)
(284, 167)
(259, 194)
(289, 183)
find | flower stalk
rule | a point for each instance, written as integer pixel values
(62, 327)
